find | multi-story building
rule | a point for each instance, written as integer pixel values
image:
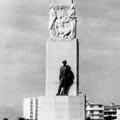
(118, 113)
(30, 108)
(112, 112)
(95, 111)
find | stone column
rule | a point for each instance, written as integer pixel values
(62, 45)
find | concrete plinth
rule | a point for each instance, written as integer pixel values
(61, 108)
(57, 52)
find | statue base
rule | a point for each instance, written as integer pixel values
(61, 108)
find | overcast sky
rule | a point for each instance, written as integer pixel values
(23, 35)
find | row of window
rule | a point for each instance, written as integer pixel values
(92, 111)
(100, 106)
(31, 109)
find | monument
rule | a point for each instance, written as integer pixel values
(61, 46)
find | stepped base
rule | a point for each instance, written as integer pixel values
(61, 108)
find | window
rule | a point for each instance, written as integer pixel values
(100, 111)
(100, 106)
(91, 105)
(91, 111)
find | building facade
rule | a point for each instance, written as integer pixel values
(30, 108)
(118, 113)
(112, 112)
(95, 111)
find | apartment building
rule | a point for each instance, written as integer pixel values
(112, 112)
(30, 108)
(95, 111)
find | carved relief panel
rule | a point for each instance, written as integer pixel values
(62, 22)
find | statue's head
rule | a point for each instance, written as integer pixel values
(64, 62)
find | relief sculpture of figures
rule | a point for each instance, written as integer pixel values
(72, 17)
(62, 25)
(61, 30)
(52, 19)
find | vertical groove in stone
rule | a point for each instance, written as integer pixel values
(77, 79)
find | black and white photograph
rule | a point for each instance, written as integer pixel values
(59, 59)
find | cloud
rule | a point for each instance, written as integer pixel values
(99, 75)
(22, 50)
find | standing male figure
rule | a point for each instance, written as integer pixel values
(66, 78)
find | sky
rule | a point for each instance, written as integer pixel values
(23, 36)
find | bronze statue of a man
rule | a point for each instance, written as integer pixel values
(66, 78)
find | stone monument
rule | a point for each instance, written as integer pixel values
(62, 45)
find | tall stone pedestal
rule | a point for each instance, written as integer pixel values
(56, 52)
(61, 108)
(62, 45)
